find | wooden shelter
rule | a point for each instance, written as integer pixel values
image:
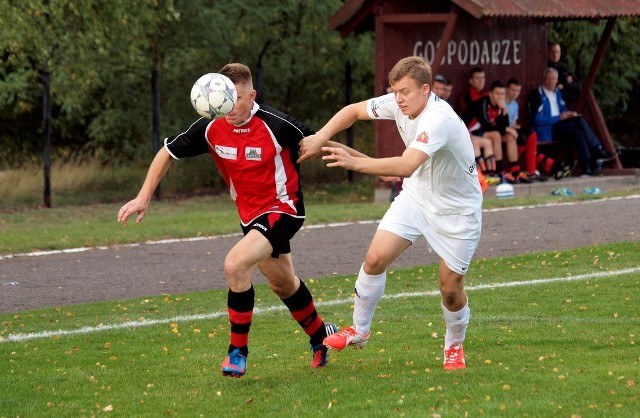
(506, 38)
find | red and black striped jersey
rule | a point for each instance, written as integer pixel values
(257, 159)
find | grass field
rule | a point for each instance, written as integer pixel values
(552, 334)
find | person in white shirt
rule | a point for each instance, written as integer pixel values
(440, 199)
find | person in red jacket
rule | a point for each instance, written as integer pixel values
(255, 148)
(477, 81)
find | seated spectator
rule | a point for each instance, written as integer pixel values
(476, 90)
(566, 80)
(552, 120)
(527, 140)
(448, 89)
(490, 119)
(439, 86)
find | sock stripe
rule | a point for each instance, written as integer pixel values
(240, 317)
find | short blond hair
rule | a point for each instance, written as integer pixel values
(238, 73)
(414, 67)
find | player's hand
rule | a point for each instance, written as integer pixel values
(338, 157)
(310, 146)
(133, 206)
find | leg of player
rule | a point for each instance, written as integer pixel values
(296, 296)
(239, 264)
(385, 247)
(455, 308)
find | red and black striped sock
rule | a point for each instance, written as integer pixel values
(303, 310)
(240, 308)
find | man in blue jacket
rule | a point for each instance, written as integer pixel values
(553, 121)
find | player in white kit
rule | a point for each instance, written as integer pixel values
(440, 199)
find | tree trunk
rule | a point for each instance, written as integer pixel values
(46, 121)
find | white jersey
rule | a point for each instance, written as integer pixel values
(447, 182)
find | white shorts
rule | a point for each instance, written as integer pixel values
(453, 237)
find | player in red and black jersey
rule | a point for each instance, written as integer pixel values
(255, 148)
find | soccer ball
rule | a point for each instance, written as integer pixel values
(213, 96)
(504, 190)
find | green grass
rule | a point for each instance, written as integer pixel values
(554, 348)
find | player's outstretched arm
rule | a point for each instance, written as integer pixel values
(347, 116)
(355, 153)
(402, 166)
(157, 170)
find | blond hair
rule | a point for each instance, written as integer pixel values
(414, 67)
(238, 73)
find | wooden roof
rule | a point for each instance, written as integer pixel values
(356, 13)
(551, 9)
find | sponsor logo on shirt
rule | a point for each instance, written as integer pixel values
(241, 130)
(253, 153)
(423, 138)
(378, 102)
(374, 108)
(229, 153)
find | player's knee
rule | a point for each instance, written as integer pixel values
(450, 288)
(374, 263)
(232, 268)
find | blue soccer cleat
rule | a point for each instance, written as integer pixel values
(234, 365)
(320, 352)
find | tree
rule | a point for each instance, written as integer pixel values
(45, 37)
(105, 59)
(617, 81)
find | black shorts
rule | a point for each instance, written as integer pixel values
(278, 228)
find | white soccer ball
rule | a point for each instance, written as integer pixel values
(213, 96)
(505, 190)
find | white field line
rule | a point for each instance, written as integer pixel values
(259, 311)
(317, 226)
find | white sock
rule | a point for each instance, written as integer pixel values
(456, 325)
(369, 290)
